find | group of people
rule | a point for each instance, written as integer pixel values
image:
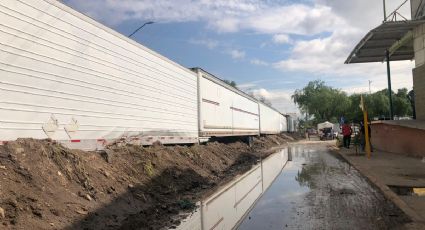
(347, 132)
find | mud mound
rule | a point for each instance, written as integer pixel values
(47, 186)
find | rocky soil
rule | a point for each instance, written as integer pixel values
(47, 186)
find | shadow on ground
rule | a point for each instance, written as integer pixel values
(170, 193)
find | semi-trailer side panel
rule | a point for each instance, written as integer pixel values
(224, 110)
(270, 120)
(283, 124)
(69, 78)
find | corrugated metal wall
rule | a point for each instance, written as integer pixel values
(67, 74)
(225, 112)
(270, 120)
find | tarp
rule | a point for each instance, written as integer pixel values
(325, 124)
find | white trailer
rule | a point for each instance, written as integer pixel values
(283, 123)
(270, 119)
(223, 109)
(65, 76)
(292, 122)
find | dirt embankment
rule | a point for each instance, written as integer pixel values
(47, 186)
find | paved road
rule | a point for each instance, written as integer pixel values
(319, 190)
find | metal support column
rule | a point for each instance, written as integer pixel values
(387, 53)
(385, 11)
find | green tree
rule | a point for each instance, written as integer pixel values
(411, 98)
(402, 106)
(323, 102)
(378, 105)
(231, 83)
(354, 113)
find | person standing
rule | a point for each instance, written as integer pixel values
(346, 133)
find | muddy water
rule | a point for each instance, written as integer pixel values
(318, 190)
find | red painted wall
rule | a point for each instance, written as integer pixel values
(398, 139)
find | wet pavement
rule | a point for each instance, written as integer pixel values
(319, 190)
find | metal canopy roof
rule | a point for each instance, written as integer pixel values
(395, 36)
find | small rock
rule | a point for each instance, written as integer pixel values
(13, 203)
(81, 212)
(88, 197)
(2, 167)
(107, 154)
(59, 173)
(13, 221)
(106, 174)
(55, 212)
(19, 150)
(110, 190)
(204, 186)
(37, 213)
(52, 224)
(130, 186)
(2, 213)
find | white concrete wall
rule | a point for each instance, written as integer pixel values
(418, 45)
(419, 71)
(63, 71)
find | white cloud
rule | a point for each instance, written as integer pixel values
(270, 17)
(281, 38)
(209, 43)
(258, 62)
(324, 56)
(236, 54)
(339, 25)
(292, 19)
(280, 99)
(246, 86)
(225, 25)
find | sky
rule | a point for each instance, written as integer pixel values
(268, 47)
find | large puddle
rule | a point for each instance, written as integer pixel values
(273, 210)
(317, 190)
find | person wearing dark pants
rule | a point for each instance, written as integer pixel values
(346, 133)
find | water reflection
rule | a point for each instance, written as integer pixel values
(316, 190)
(273, 209)
(305, 176)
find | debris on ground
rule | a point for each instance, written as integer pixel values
(47, 186)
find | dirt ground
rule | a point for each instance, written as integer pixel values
(47, 186)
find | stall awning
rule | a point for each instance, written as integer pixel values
(394, 36)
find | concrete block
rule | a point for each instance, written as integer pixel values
(419, 87)
(419, 57)
(418, 43)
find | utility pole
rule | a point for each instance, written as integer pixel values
(146, 23)
(387, 53)
(385, 11)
